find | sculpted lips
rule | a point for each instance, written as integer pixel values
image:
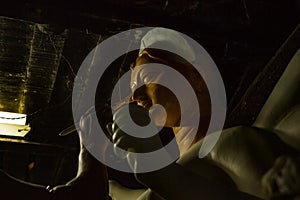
(145, 104)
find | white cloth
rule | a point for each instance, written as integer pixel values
(168, 39)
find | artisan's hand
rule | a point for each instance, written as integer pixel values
(91, 181)
(283, 179)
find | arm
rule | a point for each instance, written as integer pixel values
(15, 189)
(91, 181)
(175, 182)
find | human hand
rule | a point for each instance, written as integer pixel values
(91, 181)
(282, 181)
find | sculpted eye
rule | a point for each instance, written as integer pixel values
(144, 75)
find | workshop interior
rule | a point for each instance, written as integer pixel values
(43, 44)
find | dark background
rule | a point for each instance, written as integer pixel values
(43, 43)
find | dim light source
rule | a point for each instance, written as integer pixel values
(13, 124)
